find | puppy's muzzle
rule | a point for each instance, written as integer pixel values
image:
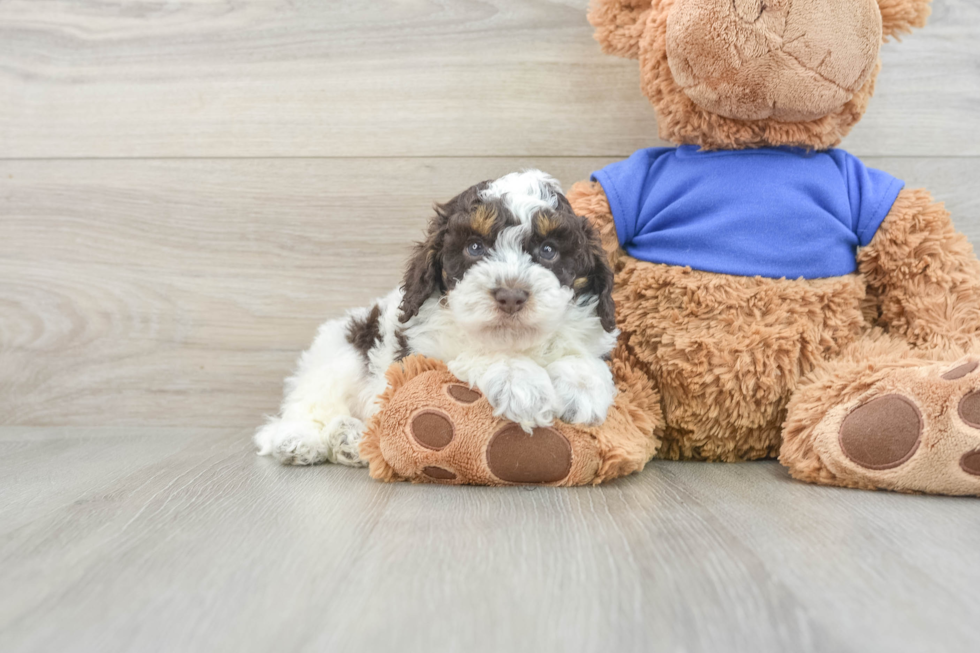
(510, 300)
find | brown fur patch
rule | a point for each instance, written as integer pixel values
(365, 333)
(404, 351)
(482, 219)
(581, 263)
(427, 271)
(544, 224)
(465, 219)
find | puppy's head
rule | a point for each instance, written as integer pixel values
(511, 260)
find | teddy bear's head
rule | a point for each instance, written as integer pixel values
(729, 74)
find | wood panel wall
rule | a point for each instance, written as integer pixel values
(187, 189)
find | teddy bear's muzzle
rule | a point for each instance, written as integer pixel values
(790, 60)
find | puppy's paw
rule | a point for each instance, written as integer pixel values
(295, 442)
(520, 391)
(585, 389)
(344, 435)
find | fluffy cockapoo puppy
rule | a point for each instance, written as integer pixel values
(510, 288)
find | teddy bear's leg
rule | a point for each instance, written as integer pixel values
(886, 417)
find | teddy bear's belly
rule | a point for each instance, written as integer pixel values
(726, 352)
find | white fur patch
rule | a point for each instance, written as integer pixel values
(525, 193)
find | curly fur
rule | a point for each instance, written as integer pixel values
(923, 275)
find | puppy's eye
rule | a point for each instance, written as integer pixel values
(548, 252)
(475, 249)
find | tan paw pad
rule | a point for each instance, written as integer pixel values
(970, 462)
(883, 433)
(432, 429)
(960, 371)
(462, 394)
(514, 456)
(969, 409)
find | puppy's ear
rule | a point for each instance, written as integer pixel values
(600, 276)
(602, 285)
(423, 275)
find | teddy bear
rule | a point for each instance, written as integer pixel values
(777, 297)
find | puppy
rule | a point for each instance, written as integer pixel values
(510, 288)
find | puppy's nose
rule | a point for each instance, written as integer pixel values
(510, 300)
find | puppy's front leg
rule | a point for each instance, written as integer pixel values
(585, 389)
(518, 388)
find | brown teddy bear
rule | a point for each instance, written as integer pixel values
(781, 298)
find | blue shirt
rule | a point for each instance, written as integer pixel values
(771, 212)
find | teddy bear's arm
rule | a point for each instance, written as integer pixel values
(923, 274)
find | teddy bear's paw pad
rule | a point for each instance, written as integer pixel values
(515, 456)
(969, 409)
(462, 394)
(960, 371)
(433, 430)
(970, 462)
(883, 433)
(439, 473)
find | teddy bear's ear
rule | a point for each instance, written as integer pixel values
(901, 16)
(619, 25)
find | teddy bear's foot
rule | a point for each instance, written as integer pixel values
(915, 429)
(456, 439)
(431, 428)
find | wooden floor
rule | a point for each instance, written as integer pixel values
(187, 188)
(182, 540)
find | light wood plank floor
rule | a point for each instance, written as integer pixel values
(182, 540)
(189, 187)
